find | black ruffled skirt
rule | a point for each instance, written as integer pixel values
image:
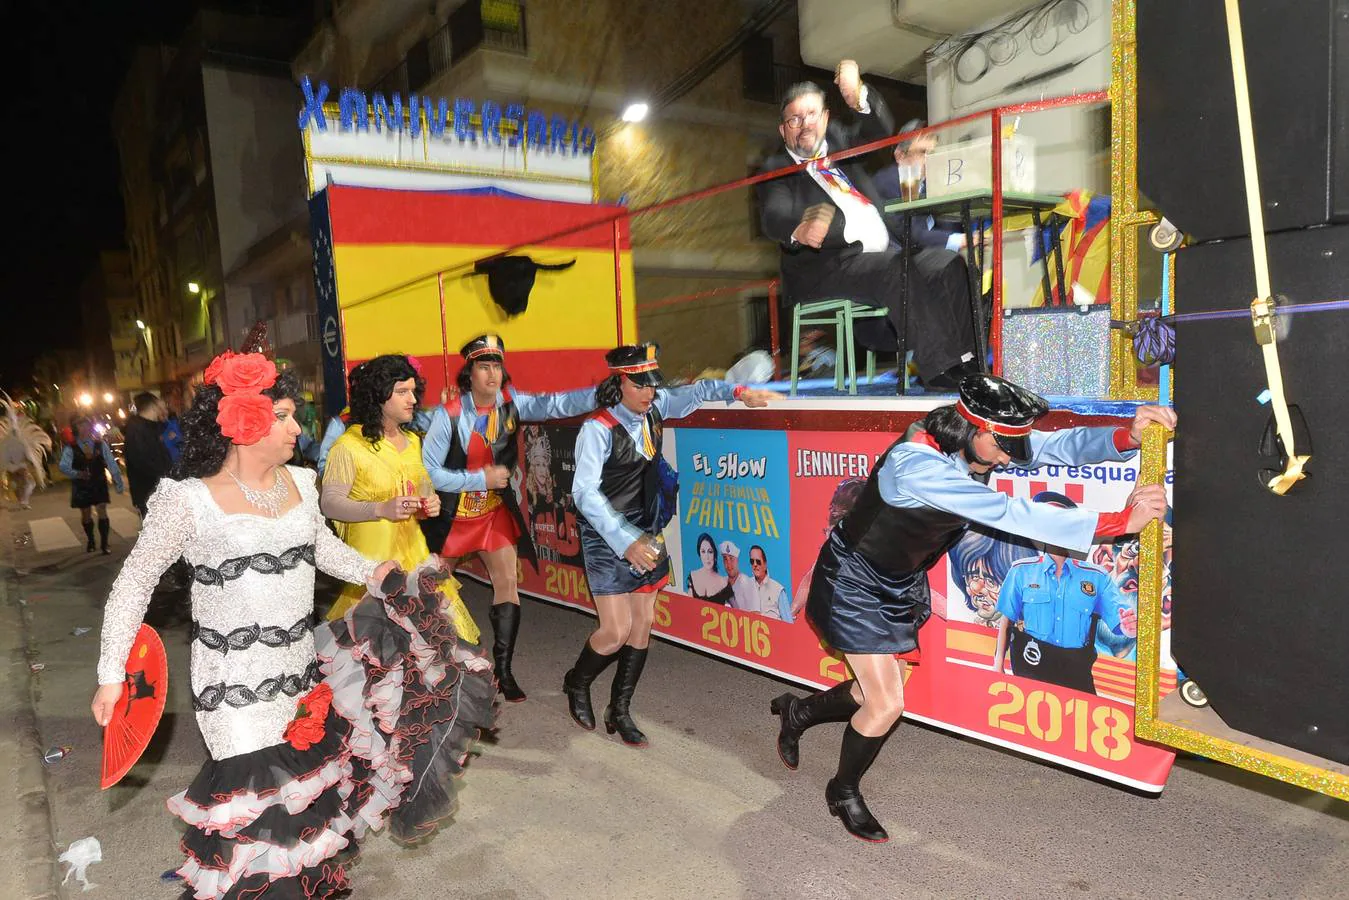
(398, 673)
(282, 822)
(271, 822)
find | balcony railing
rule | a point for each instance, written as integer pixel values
(494, 24)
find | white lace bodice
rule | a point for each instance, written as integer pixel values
(252, 650)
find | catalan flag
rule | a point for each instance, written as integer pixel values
(1085, 241)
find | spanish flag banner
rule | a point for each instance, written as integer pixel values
(403, 278)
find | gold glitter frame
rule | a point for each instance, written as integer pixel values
(1124, 226)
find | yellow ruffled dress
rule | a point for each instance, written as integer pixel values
(376, 473)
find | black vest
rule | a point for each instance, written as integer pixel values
(505, 452)
(628, 480)
(898, 541)
(94, 465)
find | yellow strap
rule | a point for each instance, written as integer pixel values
(1262, 307)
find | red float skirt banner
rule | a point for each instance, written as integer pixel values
(755, 506)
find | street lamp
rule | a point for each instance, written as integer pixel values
(85, 399)
(140, 324)
(635, 112)
(107, 396)
(193, 287)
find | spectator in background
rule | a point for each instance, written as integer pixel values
(172, 436)
(145, 454)
(87, 461)
(907, 180)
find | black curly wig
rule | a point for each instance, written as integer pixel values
(204, 447)
(372, 386)
(466, 385)
(609, 392)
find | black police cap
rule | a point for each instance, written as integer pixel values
(484, 346)
(1005, 409)
(640, 362)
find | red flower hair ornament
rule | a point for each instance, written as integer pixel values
(245, 418)
(245, 415)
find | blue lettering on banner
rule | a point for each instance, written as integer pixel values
(353, 113)
(463, 115)
(491, 123)
(532, 128)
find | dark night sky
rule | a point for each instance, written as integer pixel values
(64, 62)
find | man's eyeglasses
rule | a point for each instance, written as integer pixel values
(799, 120)
(758, 562)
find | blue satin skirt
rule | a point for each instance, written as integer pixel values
(608, 574)
(857, 608)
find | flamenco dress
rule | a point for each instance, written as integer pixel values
(292, 781)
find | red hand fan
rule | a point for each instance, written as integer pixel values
(137, 712)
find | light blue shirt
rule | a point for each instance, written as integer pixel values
(336, 428)
(1057, 608)
(529, 408)
(67, 463)
(915, 475)
(595, 440)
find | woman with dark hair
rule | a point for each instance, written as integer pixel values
(292, 780)
(471, 451)
(374, 483)
(87, 461)
(707, 583)
(869, 595)
(619, 488)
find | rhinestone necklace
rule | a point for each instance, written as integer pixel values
(270, 500)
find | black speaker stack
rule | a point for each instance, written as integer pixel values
(1261, 581)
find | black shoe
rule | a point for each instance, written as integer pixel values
(789, 736)
(843, 795)
(631, 661)
(505, 625)
(800, 713)
(847, 803)
(576, 684)
(951, 378)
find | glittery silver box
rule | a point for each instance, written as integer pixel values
(1058, 351)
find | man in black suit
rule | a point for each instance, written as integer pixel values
(927, 233)
(836, 240)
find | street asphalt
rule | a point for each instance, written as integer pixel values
(708, 811)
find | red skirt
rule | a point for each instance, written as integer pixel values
(485, 533)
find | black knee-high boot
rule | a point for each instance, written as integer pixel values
(843, 794)
(89, 533)
(103, 527)
(799, 713)
(576, 684)
(505, 625)
(618, 717)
